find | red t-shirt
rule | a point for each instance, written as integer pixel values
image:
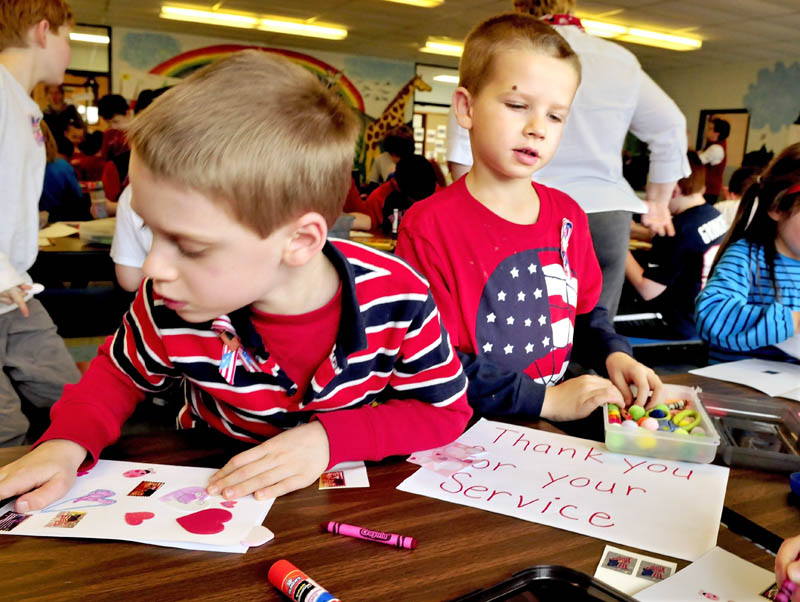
(501, 287)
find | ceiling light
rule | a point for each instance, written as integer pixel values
(446, 79)
(602, 30)
(443, 46)
(639, 36)
(422, 3)
(297, 28)
(250, 21)
(89, 38)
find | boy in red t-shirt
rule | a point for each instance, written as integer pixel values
(511, 264)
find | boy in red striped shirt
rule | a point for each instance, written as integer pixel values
(316, 352)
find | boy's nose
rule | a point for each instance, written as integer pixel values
(535, 126)
(157, 267)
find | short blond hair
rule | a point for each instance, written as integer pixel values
(257, 134)
(540, 8)
(18, 16)
(506, 32)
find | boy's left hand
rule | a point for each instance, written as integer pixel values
(291, 460)
(624, 371)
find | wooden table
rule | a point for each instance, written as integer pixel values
(461, 549)
(69, 259)
(376, 240)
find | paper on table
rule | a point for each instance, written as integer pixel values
(630, 572)
(717, 575)
(776, 379)
(136, 501)
(57, 230)
(578, 485)
(791, 346)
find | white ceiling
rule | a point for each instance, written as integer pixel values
(733, 31)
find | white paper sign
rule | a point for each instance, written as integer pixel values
(578, 485)
(718, 575)
(142, 502)
(776, 379)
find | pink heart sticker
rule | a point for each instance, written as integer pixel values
(205, 522)
(82, 472)
(137, 518)
(228, 503)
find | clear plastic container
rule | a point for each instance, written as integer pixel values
(665, 444)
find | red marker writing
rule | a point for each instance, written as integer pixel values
(392, 539)
(295, 584)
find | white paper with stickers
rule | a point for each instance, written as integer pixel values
(148, 503)
(668, 507)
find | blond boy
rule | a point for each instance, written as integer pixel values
(511, 264)
(314, 352)
(34, 47)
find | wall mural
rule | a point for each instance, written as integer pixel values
(774, 98)
(368, 84)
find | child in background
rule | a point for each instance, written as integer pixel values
(34, 47)
(116, 114)
(62, 196)
(511, 263)
(398, 143)
(676, 267)
(714, 156)
(416, 180)
(313, 352)
(751, 304)
(740, 180)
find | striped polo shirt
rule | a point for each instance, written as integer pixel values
(390, 346)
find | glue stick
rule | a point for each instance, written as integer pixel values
(296, 585)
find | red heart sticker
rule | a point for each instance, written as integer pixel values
(137, 518)
(205, 522)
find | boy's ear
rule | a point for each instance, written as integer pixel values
(40, 31)
(462, 107)
(306, 238)
(775, 215)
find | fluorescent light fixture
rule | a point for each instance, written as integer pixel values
(421, 3)
(602, 30)
(88, 38)
(298, 28)
(443, 46)
(661, 40)
(640, 36)
(193, 15)
(446, 79)
(250, 21)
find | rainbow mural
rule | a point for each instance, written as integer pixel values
(185, 63)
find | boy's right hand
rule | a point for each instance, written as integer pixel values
(45, 473)
(578, 397)
(16, 296)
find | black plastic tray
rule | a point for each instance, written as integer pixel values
(547, 583)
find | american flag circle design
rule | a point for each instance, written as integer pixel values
(526, 316)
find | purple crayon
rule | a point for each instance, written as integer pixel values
(392, 539)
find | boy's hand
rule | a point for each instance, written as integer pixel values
(291, 460)
(578, 397)
(16, 295)
(47, 473)
(786, 563)
(624, 371)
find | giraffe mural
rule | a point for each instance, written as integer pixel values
(392, 116)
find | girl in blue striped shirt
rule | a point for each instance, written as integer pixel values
(751, 304)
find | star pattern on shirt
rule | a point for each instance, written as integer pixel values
(537, 293)
(510, 320)
(542, 320)
(528, 322)
(508, 349)
(529, 348)
(520, 296)
(532, 268)
(514, 273)
(487, 347)
(501, 296)
(491, 318)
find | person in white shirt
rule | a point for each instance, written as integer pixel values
(615, 96)
(34, 47)
(130, 245)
